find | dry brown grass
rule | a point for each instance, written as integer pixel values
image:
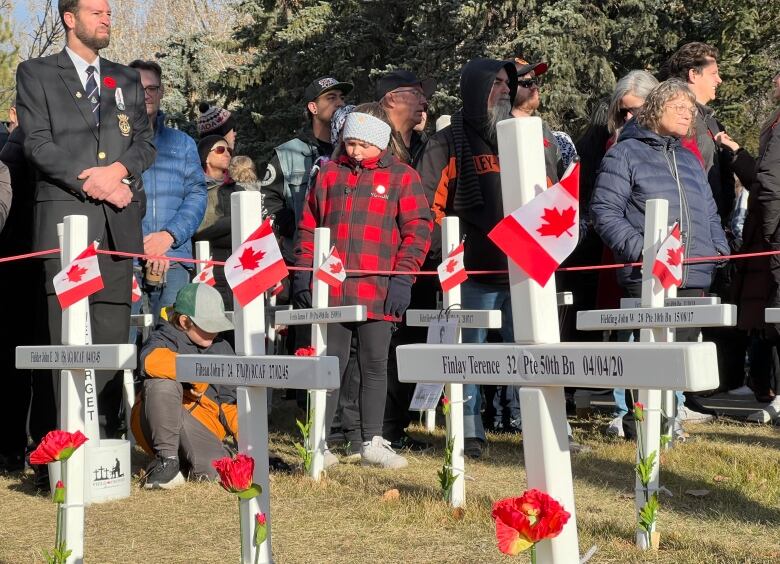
(343, 519)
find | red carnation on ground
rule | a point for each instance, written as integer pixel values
(109, 82)
(57, 445)
(235, 475)
(523, 521)
(306, 351)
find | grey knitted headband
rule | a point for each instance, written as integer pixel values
(367, 128)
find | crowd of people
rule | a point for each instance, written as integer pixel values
(88, 137)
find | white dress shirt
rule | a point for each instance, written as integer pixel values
(81, 68)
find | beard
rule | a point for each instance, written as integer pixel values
(92, 41)
(501, 111)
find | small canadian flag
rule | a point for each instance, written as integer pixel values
(80, 279)
(136, 290)
(331, 271)
(256, 265)
(668, 265)
(206, 276)
(541, 234)
(452, 271)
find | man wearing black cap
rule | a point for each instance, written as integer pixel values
(526, 103)
(286, 176)
(405, 99)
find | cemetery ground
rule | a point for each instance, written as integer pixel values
(734, 468)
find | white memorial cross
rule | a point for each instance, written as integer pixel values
(253, 373)
(319, 315)
(74, 358)
(489, 319)
(543, 365)
(656, 320)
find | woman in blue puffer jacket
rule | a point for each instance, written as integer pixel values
(648, 162)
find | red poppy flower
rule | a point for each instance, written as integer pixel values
(57, 445)
(523, 521)
(261, 529)
(109, 82)
(306, 351)
(639, 411)
(235, 475)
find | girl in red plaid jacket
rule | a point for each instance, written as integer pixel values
(380, 220)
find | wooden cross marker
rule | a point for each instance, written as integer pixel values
(319, 316)
(75, 358)
(253, 373)
(542, 364)
(659, 313)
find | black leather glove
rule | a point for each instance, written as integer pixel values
(399, 295)
(301, 290)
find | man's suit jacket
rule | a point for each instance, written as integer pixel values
(62, 140)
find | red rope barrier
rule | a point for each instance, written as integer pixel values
(693, 260)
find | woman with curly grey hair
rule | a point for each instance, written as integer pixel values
(649, 162)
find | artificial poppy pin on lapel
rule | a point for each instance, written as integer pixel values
(109, 82)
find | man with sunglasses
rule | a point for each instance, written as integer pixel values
(175, 201)
(526, 104)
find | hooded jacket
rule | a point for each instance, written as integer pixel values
(643, 166)
(214, 406)
(460, 171)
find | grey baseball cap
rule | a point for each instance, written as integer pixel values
(203, 304)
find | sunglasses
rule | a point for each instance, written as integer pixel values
(528, 82)
(220, 149)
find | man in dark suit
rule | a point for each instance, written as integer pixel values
(88, 137)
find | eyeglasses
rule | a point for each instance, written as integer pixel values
(625, 111)
(419, 94)
(528, 82)
(682, 109)
(220, 150)
(152, 89)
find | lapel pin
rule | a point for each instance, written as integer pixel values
(78, 94)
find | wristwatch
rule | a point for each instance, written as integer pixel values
(128, 180)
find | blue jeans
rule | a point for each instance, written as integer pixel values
(475, 295)
(154, 298)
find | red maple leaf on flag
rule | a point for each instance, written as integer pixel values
(336, 267)
(452, 265)
(75, 273)
(250, 259)
(674, 256)
(557, 223)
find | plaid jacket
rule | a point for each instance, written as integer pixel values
(379, 219)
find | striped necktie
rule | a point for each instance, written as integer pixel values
(93, 95)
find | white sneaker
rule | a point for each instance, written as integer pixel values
(615, 427)
(328, 458)
(379, 452)
(768, 414)
(690, 416)
(741, 391)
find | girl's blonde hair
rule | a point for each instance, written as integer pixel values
(242, 169)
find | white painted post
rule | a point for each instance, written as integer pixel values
(202, 252)
(535, 317)
(72, 394)
(656, 229)
(249, 324)
(450, 232)
(430, 414)
(668, 397)
(319, 340)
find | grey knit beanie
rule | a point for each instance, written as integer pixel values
(367, 128)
